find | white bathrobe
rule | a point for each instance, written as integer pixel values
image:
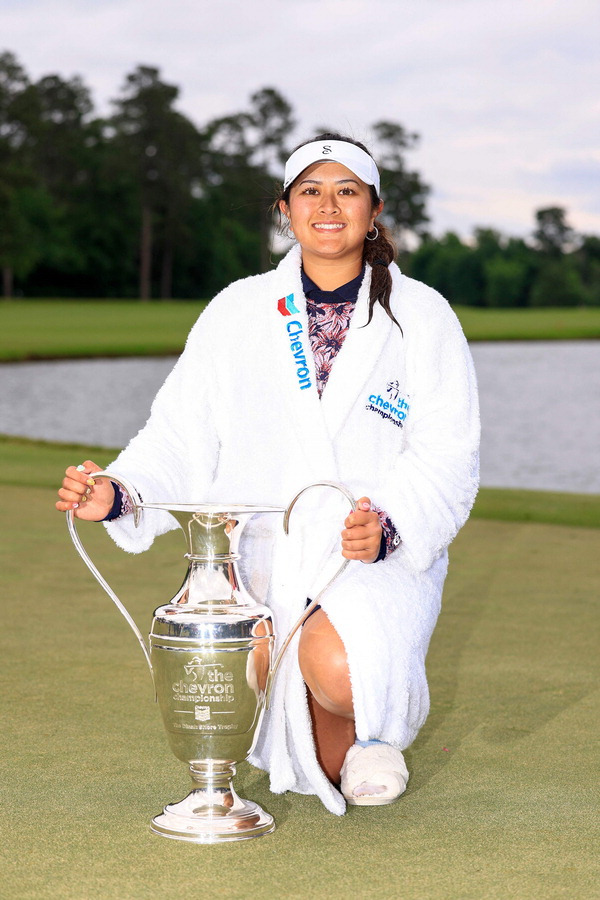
(239, 420)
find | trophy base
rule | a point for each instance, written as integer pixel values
(212, 813)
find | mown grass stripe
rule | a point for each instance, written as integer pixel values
(75, 329)
(27, 463)
(549, 507)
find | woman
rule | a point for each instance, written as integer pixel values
(334, 366)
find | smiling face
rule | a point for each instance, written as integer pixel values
(330, 211)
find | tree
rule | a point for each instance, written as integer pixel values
(505, 282)
(489, 242)
(553, 234)
(242, 150)
(162, 149)
(587, 261)
(504, 267)
(404, 193)
(17, 245)
(557, 281)
(13, 81)
(450, 267)
(231, 198)
(15, 236)
(558, 284)
(272, 122)
(44, 128)
(53, 113)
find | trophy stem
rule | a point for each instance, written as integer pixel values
(212, 812)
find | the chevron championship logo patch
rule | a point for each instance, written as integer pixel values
(286, 305)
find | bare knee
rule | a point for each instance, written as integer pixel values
(324, 666)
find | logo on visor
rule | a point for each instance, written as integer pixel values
(286, 305)
(326, 149)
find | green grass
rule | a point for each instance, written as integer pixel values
(54, 329)
(28, 463)
(501, 802)
(529, 324)
(25, 463)
(553, 508)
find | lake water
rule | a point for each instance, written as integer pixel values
(539, 408)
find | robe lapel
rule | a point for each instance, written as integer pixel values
(296, 369)
(355, 362)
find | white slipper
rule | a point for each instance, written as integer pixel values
(373, 775)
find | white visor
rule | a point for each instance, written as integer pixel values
(347, 154)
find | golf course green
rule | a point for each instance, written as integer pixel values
(502, 800)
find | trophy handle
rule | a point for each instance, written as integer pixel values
(136, 500)
(314, 603)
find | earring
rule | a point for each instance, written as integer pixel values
(375, 235)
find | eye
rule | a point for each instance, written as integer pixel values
(347, 190)
(310, 190)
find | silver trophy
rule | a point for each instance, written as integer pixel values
(212, 663)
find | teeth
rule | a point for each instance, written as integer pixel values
(329, 227)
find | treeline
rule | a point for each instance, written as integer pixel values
(556, 267)
(145, 203)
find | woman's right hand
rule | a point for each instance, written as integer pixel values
(89, 498)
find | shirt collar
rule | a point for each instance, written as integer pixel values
(346, 293)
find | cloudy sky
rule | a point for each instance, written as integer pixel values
(505, 94)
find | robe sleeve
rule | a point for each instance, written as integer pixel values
(177, 448)
(434, 480)
(390, 539)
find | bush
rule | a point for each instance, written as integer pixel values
(505, 282)
(558, 284)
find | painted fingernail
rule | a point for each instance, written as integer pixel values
(91, 482)
(81, 468)
(75, 506)
(366, 506)
(84, 499)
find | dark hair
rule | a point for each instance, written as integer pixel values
(378, 253)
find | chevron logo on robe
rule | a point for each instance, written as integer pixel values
(286, 305)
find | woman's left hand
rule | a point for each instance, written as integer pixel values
(361, 537)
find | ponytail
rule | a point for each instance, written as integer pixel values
(379, 253)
